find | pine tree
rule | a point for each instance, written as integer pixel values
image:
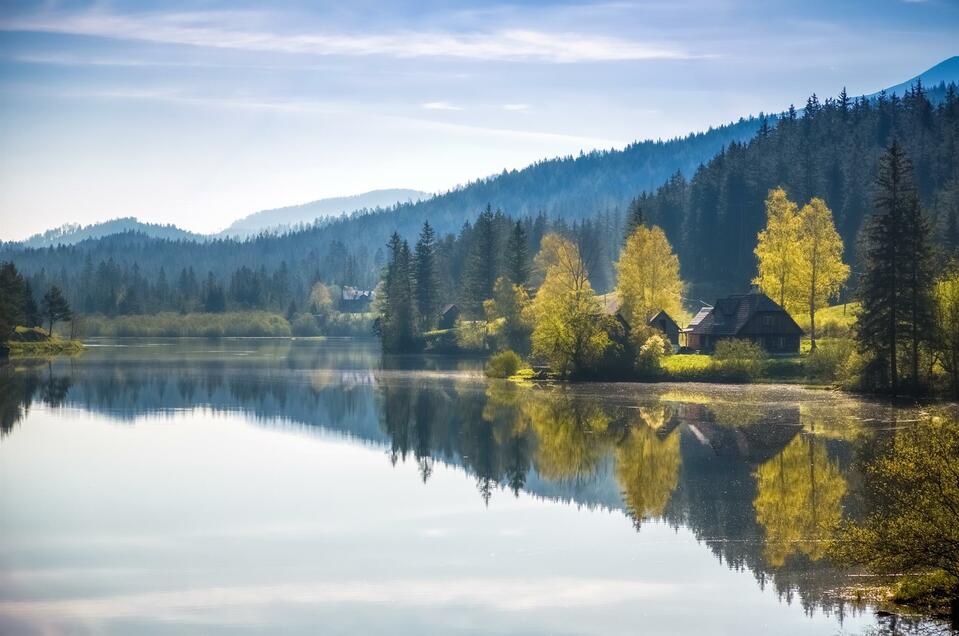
(896, 284)
(479, 276)
(31, 312)
(517, 255)
(397, 318)
(635, 217)
(55, 307)
(425, 277)
(11, 300)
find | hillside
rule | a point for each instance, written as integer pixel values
(282, 219)
(711, 217)
(71, 234)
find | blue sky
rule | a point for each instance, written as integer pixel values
(199, 113)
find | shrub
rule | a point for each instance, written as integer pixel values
(651, 354)
(305, 325)
(824, 364)
(736, 359)
(471, 336)
(503, 364)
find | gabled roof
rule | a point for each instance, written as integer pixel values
(446, 308)
(662, 315)
(698, 318)
(352, 293)
(731, 314)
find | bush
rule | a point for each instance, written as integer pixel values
(825, 363)
(305, 325)
(740, 360)
(651, 354)
(503, 364)
(471, 336)
(169, 324)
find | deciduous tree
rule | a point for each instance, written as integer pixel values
(820, 272)
(566, 327)
(778, 250)
(648, 276)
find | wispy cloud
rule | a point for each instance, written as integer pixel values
(229, 30)
(517, 108)
(440, 106)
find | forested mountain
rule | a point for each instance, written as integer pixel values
(70, 234)
(711, 217)
(290, 217)
(831, 152)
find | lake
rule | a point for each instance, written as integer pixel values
(281, 486)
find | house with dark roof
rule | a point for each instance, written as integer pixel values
(665, 323)
(448, 316)
(356, 301)
(753, 316)
(660, 320)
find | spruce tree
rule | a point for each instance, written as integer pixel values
(425, 277)
(480, 273)
(517, 255)
(635, 217)
(397, 319)
(896, 284)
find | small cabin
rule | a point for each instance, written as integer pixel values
(355, 301)
(753, 316)
(665, 323)
(449, 314)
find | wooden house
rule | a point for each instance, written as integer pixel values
(665, 323)
(753, 316)
(355, 301)
(448, 316)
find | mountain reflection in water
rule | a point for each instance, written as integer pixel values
(760, 475)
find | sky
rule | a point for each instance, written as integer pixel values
(199, 113)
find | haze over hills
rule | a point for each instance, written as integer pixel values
(72, 233)
(280, 219)
(571, 187)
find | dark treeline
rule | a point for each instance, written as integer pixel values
(130, 273)
(832, 151)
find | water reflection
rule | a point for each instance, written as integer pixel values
(760, 476)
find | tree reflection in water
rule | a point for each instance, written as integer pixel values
(762, 482)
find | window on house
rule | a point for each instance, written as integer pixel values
(769, 321)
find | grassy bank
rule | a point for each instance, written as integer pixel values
(32, 342)
(228, 324)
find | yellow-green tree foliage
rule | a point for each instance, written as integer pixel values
(778, 250)
(912, 494)
(820, 272)
(507, 310)
(799, 500)
(947, 317)
(648, 276)
(565, 314)
(647, 470)
(570, 432)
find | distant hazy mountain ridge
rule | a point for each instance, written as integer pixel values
(280, 219)
(72, 233)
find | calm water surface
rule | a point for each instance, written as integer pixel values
(316, 487)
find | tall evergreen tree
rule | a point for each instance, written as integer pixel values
(397, 318)
(896, 284)
(517, 255)
(635, 217)
(479, 276)
(12, 295)
(427, 298)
